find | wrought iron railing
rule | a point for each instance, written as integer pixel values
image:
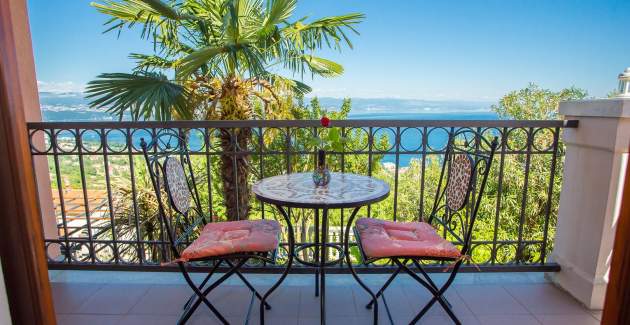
(107, 218)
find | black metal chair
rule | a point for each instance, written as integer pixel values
(168, 160)
(465, 168)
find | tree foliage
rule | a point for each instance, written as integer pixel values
(211, 45)
(535, 103)
(521, 185)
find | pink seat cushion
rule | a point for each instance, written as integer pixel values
(224, 238)
(381, 238)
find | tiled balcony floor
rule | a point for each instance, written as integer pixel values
(101, 297)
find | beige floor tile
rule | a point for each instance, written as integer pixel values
(545, 299)
(442, 320)
(418, 297)
(113, 299)
(339, 302)
(508, 319)
(89, 319)
(163, 300)
(489, 300)
(585, 319)
(148, 320)
(68, 297)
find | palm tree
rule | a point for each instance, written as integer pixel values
(222, 56)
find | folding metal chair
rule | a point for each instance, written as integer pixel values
(465, 168)
(233, 243)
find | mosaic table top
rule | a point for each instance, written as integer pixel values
(298, 190)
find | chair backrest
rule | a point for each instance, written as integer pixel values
(171, 171)
(465, 169)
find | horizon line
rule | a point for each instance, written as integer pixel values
(55, 93)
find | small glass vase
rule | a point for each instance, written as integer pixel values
(321, 175)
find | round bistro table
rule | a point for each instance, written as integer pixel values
(298, 191)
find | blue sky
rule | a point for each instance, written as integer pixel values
(450, 50)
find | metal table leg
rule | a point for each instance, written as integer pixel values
(316, 251)
(290, 256)
(346, 245)
(322, 268)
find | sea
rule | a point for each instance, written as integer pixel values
(74, 107)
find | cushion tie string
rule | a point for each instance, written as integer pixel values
(462, 258)
(175, 261)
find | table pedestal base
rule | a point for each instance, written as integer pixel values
(320, 257)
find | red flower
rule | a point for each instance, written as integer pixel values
(325, 121)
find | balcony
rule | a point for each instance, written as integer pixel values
(510, 275)
(77, 212)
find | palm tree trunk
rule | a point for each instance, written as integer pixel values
(235, 172)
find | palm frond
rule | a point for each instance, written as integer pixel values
(279, 11)
(300, 87)
(156, 18)
(164, 9)
(173, 47)
(195, 60)
(145, 95)
(297, 86)
(250, 9)
(323, 67)
(330, 31)
(151, 62)
(301, 63)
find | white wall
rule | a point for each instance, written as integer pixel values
(5, 316)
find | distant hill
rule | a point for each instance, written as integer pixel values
(74, 107)
(397, 105)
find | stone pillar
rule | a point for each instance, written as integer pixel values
(595, 163)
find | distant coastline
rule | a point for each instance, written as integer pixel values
(74, 107)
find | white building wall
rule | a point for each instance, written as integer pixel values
(5, 316)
